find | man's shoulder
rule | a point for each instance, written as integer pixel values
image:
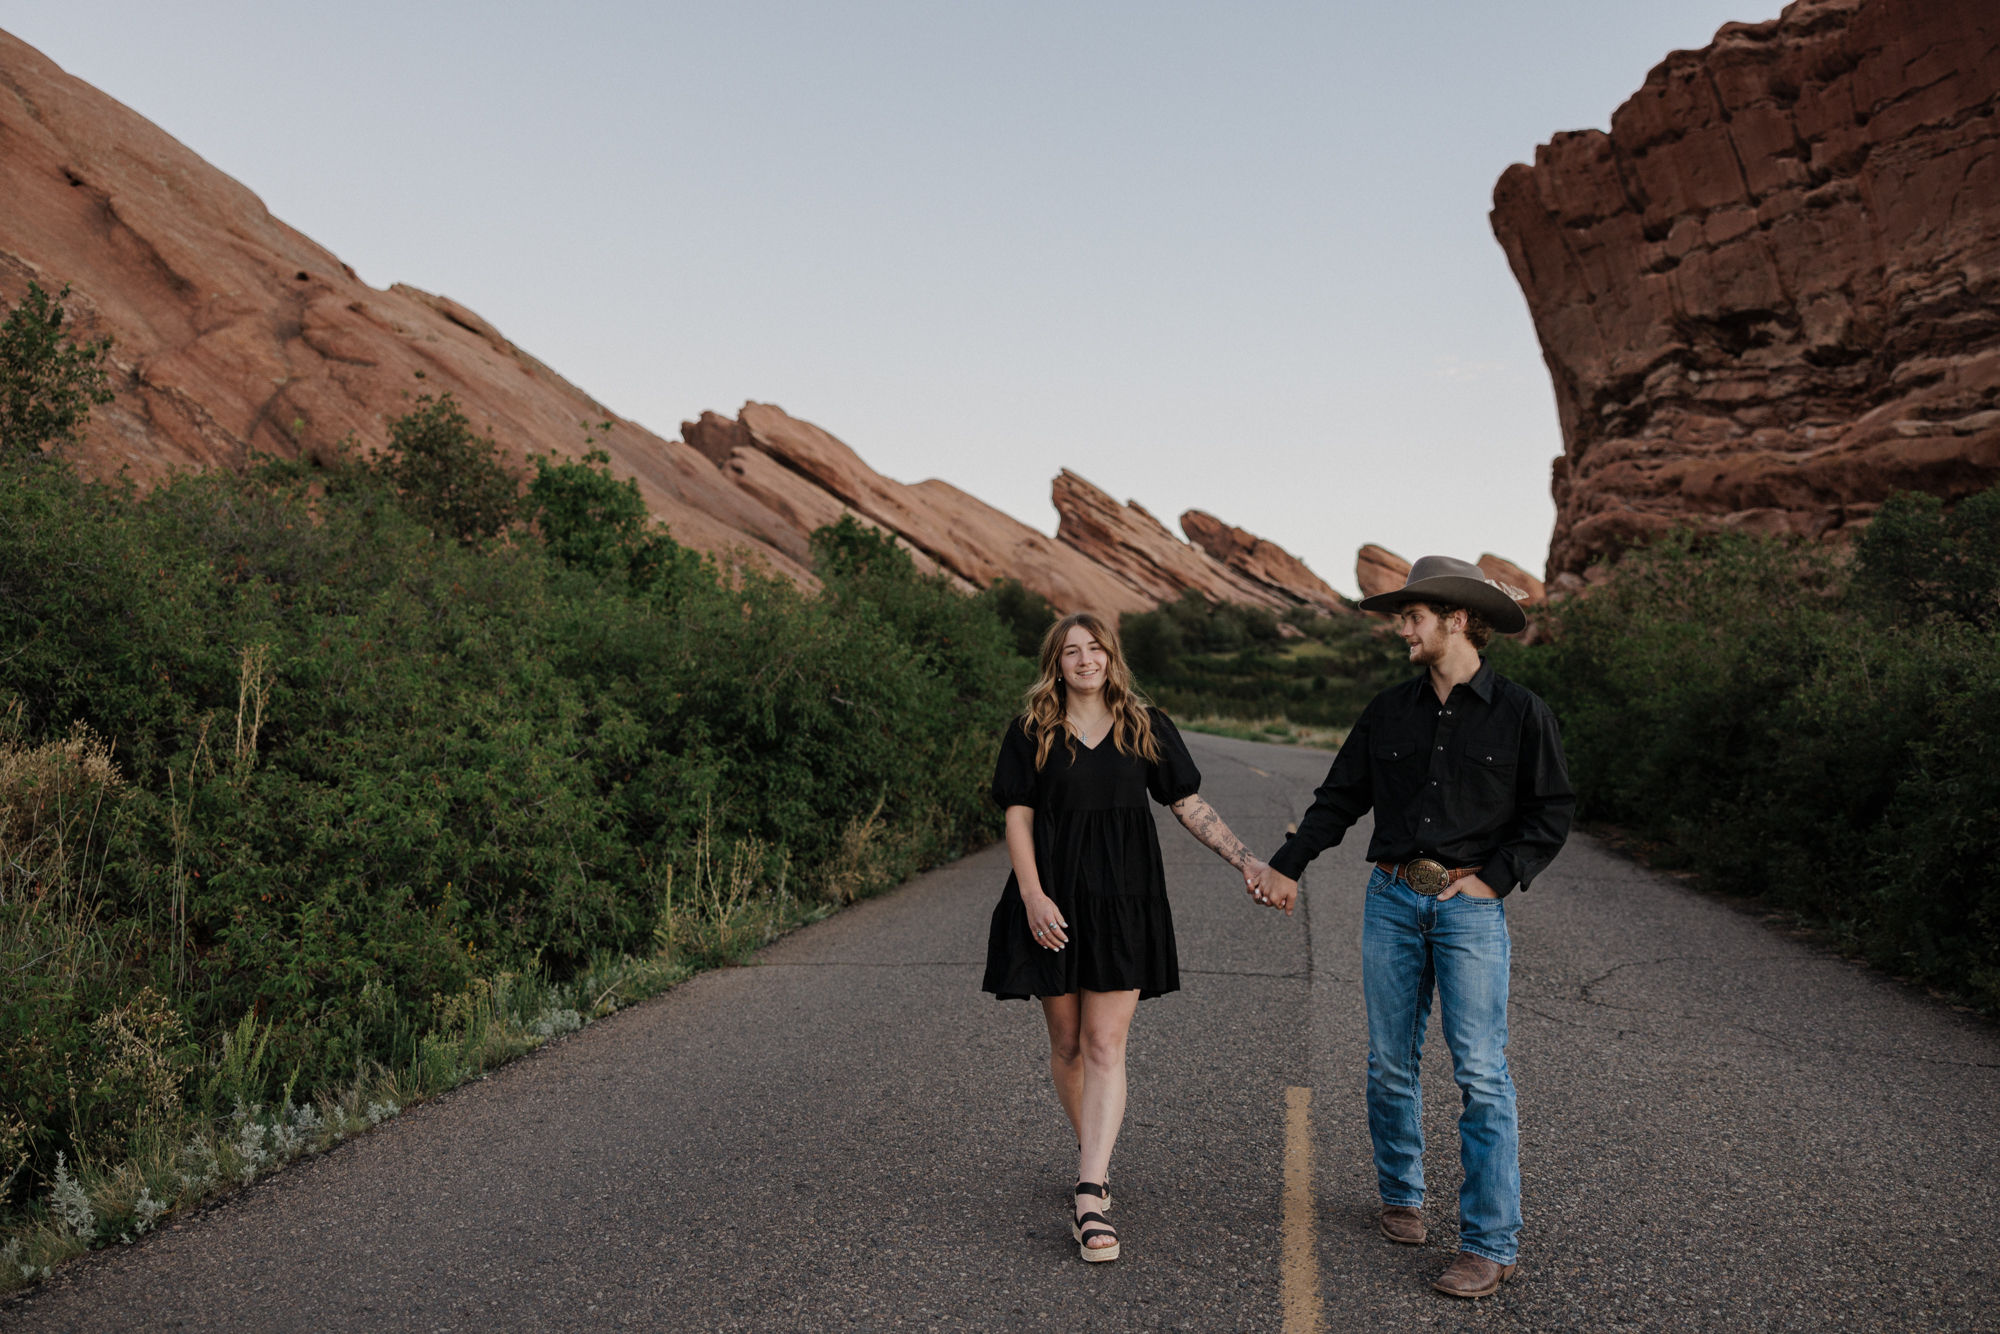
(1398, 694)
(1511, 692)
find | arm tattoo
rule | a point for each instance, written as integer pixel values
(1201, 820)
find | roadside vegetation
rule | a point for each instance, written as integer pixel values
(323, 789)
(1246, 671)
(1815, 730)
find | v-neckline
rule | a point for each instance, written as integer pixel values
(1086, 745)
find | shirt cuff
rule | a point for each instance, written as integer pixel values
(1290, 861)
(1498, 873)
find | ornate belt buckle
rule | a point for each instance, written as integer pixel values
(1426, 876)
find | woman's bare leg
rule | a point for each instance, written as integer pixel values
(1064, 1017)
(1106, 1019)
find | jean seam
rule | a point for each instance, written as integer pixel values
(1484, 1255)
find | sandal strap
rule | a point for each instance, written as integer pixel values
(1090, 1232)
(1092, 1217)
(1091, 1188)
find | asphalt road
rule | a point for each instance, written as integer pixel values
(1721, 1129)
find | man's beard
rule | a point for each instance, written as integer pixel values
(1426, 654)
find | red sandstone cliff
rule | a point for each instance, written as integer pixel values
(1261, 561)
(1771, 294)
(233, 332)
(803, 471)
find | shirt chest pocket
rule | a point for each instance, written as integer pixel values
(1490, 767)
(1393, 752)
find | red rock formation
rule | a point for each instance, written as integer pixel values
(1525, 588)
(233, 332)
(1379, 571)
(806, 474)
(1771, 294)
(1131, 543)
(1263, 562)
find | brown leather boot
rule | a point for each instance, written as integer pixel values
(1404, 1223)
(1473, 1276)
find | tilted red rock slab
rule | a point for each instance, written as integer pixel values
(1378, 570)
(1131, 543)
(1260, 560)
(233, 332)
(1771, 294)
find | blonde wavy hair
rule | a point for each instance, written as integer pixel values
(1044, 712)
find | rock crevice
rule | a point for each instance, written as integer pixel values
(1785, 251)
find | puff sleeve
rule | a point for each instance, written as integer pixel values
(1014, 770)
(1173, 775)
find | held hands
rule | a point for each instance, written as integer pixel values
(1268, 886)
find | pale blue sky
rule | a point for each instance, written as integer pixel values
(1228, 257)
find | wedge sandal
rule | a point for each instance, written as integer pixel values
(1081, 1228)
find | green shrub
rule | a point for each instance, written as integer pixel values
(1223, 660)
(1026, 614)
(381, 786)
(447, 475)
(48, 381)
(1814, 732)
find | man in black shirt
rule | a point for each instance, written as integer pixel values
(1464, 770)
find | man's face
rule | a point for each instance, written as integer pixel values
(1424, 632)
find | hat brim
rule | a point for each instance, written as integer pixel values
(1501, 612)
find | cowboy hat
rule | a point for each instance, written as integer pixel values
(1460, 583)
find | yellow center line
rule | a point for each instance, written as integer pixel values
(1298, 1265)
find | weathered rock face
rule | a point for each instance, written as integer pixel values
(234, 333)
(1379, 571)
(1771, 295)
(804, 473)
(1261, 561)
(1131, 543)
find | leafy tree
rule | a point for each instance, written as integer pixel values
(1916, 562)
(851, 552)
(592, 521)
(1026, 614)
(448, 476)
(48, 382)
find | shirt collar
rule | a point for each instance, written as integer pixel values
(1482, 681)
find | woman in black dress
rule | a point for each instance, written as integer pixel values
(1083, 923)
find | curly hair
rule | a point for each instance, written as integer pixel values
(1044, 712)
(1478, 630)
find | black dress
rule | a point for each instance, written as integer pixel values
(1098, 855)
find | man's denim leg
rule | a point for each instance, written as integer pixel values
(1396, 980)
(1470, 950)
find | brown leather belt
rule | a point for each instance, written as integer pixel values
(1426, 876)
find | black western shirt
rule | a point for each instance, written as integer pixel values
(1478, 780)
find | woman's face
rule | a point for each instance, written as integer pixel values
(1084, 661)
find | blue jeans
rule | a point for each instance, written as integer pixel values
(1411, 943)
